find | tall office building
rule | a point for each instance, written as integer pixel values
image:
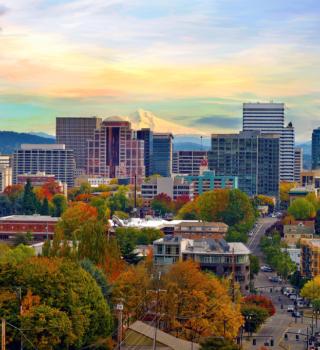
(188, 162)
(74, 133)
(269, 118)
(53, 159)
(162, 154)
(114, 152)
(147, 136)
(298, 164)
(251, 156)
(316, 149)
(5, 172)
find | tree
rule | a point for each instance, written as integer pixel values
(48, 190)
(162, 204)
(254, 265)
(212, 204)
(72, 311)
(45, 207)
(14, 194)
(189, 211)
(16, 255)
(254, 316)
(285, 188)
(218, 343)
(75, 216)
(302, 209)
(60, 204)
(119, 201)
(30, 204)
(311, 289)
(261, 301)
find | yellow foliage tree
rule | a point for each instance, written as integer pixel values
(311, 290)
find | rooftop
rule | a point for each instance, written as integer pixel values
(148, 223)
(31, 218)
(29, 146)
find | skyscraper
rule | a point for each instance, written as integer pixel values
(298, 164)
(270, 118)
(188, 162)
(162, 154)
(52, 159)
(114, 152)
(251, 156)
(316, 149)
(147, 136)
(74, 133)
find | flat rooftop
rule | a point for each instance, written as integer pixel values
(31, 218)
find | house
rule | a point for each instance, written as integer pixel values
(201, 229)
(140, 335)
(294, 232)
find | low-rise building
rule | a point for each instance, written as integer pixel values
(293, 233)
(37, 179)
(310, 178)
(41, 227)
(201, 229)
(310, 257)
(172, 187)
(92, 180)
(294, 254)
(215, 255)
(5, 177)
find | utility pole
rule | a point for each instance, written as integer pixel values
(119, 308)
(3, 334)
(20, 302)
(157, 311)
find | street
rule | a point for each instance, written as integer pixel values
(282, 321)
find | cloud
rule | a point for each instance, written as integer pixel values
(3, 10)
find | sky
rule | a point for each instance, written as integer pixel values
(190, 63)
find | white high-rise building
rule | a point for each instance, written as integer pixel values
(270, 118)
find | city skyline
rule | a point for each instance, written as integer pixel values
(191, 64)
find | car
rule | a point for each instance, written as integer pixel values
(250, 234)
(293, 296)
(296, 314)
(275, 279)
(290, 308)
(266, 268)
(301, 304)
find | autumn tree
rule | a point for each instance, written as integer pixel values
(72, 312)
(162, 204)
(189, 211)
(311, 289)
(75, 216)
(218, 343)
(261, 301)
(48, 190)
(285, 188)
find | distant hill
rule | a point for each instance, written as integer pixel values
(42, 134)
(10, 140)
(189, 146)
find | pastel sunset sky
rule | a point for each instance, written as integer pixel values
(190, 62)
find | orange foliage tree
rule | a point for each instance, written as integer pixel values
(48, 190)
(259, 300)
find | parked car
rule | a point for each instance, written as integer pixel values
(290, 308)
(301, 304)
(296, 314)
(275, 279)
(293, 297)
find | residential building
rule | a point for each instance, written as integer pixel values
(140, 335)
(5, 172)
(215, 255)
(113, 151)
(5, 177)
(298, 164)
(146, 135)
(74, 132)
(38, 179)
(250, 156)
(41, 227)
(54, 159)
(294, 254)
(188, 162)
(172, 187)
(293, 233)
(162, 154)
(201, 229)
(316, 149)
(270, 118)
(310, 178)
(310, 258)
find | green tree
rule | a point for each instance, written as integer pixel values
(254, 317)
(30, 204)
(60, 204)
(44, 210)
(119, 201)
(254, 265)
(16, 255)
(218, 343)
(302, 209)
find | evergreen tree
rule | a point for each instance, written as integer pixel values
(30, 203)
(45, 207)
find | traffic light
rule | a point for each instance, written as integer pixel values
(297, 337)
(271, 342)
(285, 336)
(254, 341)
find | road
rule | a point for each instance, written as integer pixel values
(282, 322)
